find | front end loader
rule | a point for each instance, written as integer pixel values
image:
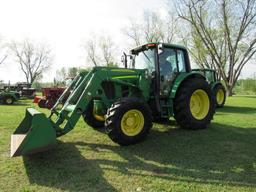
(156, 84)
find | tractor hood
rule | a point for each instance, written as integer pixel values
(132, 79)
(122, 74)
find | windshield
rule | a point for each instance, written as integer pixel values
(145, 60)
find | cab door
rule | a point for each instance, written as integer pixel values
(171, 63)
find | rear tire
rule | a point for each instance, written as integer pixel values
(220, 94)
(8, 100)
(194, 104)
(128, 121)
(90, 119)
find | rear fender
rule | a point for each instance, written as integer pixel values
(180, 79)
(213, 85)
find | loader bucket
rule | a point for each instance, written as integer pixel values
(34, 134)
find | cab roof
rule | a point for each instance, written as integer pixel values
(206, 69)
(152, 44)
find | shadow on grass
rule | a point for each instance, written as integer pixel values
(65, 168)
(236, 109)
(220, 155)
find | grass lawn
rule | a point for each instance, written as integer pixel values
(220, 158)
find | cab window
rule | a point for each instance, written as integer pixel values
(172, 60)
(209, 76)
(145, 60)
(181, 61)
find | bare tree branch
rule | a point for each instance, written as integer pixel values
(229, 41)
(33, 59)
(152, 28)
(107, 50)
(101, 51)
(91, 51)
(3, 59)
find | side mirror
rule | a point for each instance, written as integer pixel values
(160, 49)
(124, 59)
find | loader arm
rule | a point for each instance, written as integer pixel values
(83, 89)
(76, 103)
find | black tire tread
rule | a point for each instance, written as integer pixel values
(182, 112)
(114, 115)
(8, 97)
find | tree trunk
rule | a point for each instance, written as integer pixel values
(229, 91)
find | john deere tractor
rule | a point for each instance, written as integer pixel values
(9, 97)
(218, 89)
(157, 83)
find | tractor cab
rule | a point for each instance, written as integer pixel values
(164, 63)
(210, 75)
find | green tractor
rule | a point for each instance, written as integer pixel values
(156, 84)
(218, 89)
(9, 97)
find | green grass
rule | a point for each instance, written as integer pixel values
(220, 158)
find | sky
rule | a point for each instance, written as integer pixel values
(66, 25)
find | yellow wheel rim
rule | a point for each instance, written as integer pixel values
(199, 104)
(99, 117)
(220, 96)
(132, 122)
(9, 101)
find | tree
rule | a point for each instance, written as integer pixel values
(91, 49)
(64, 73)
(73, 71)
(152, 28)
(224, 35)
(133, 32)
(101, 51)
(3, 56)
(34, 59)
(107, 50)
(3, 59)
(61, 75)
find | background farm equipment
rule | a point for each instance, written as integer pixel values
(218, 89)
(28, 93)
(9, 97)
(23, 88)
(49, 98)
(156, 84)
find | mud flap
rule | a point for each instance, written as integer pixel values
(34, 134)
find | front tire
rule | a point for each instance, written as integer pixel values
(8, 100)
(128, 121)
(194, 104)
